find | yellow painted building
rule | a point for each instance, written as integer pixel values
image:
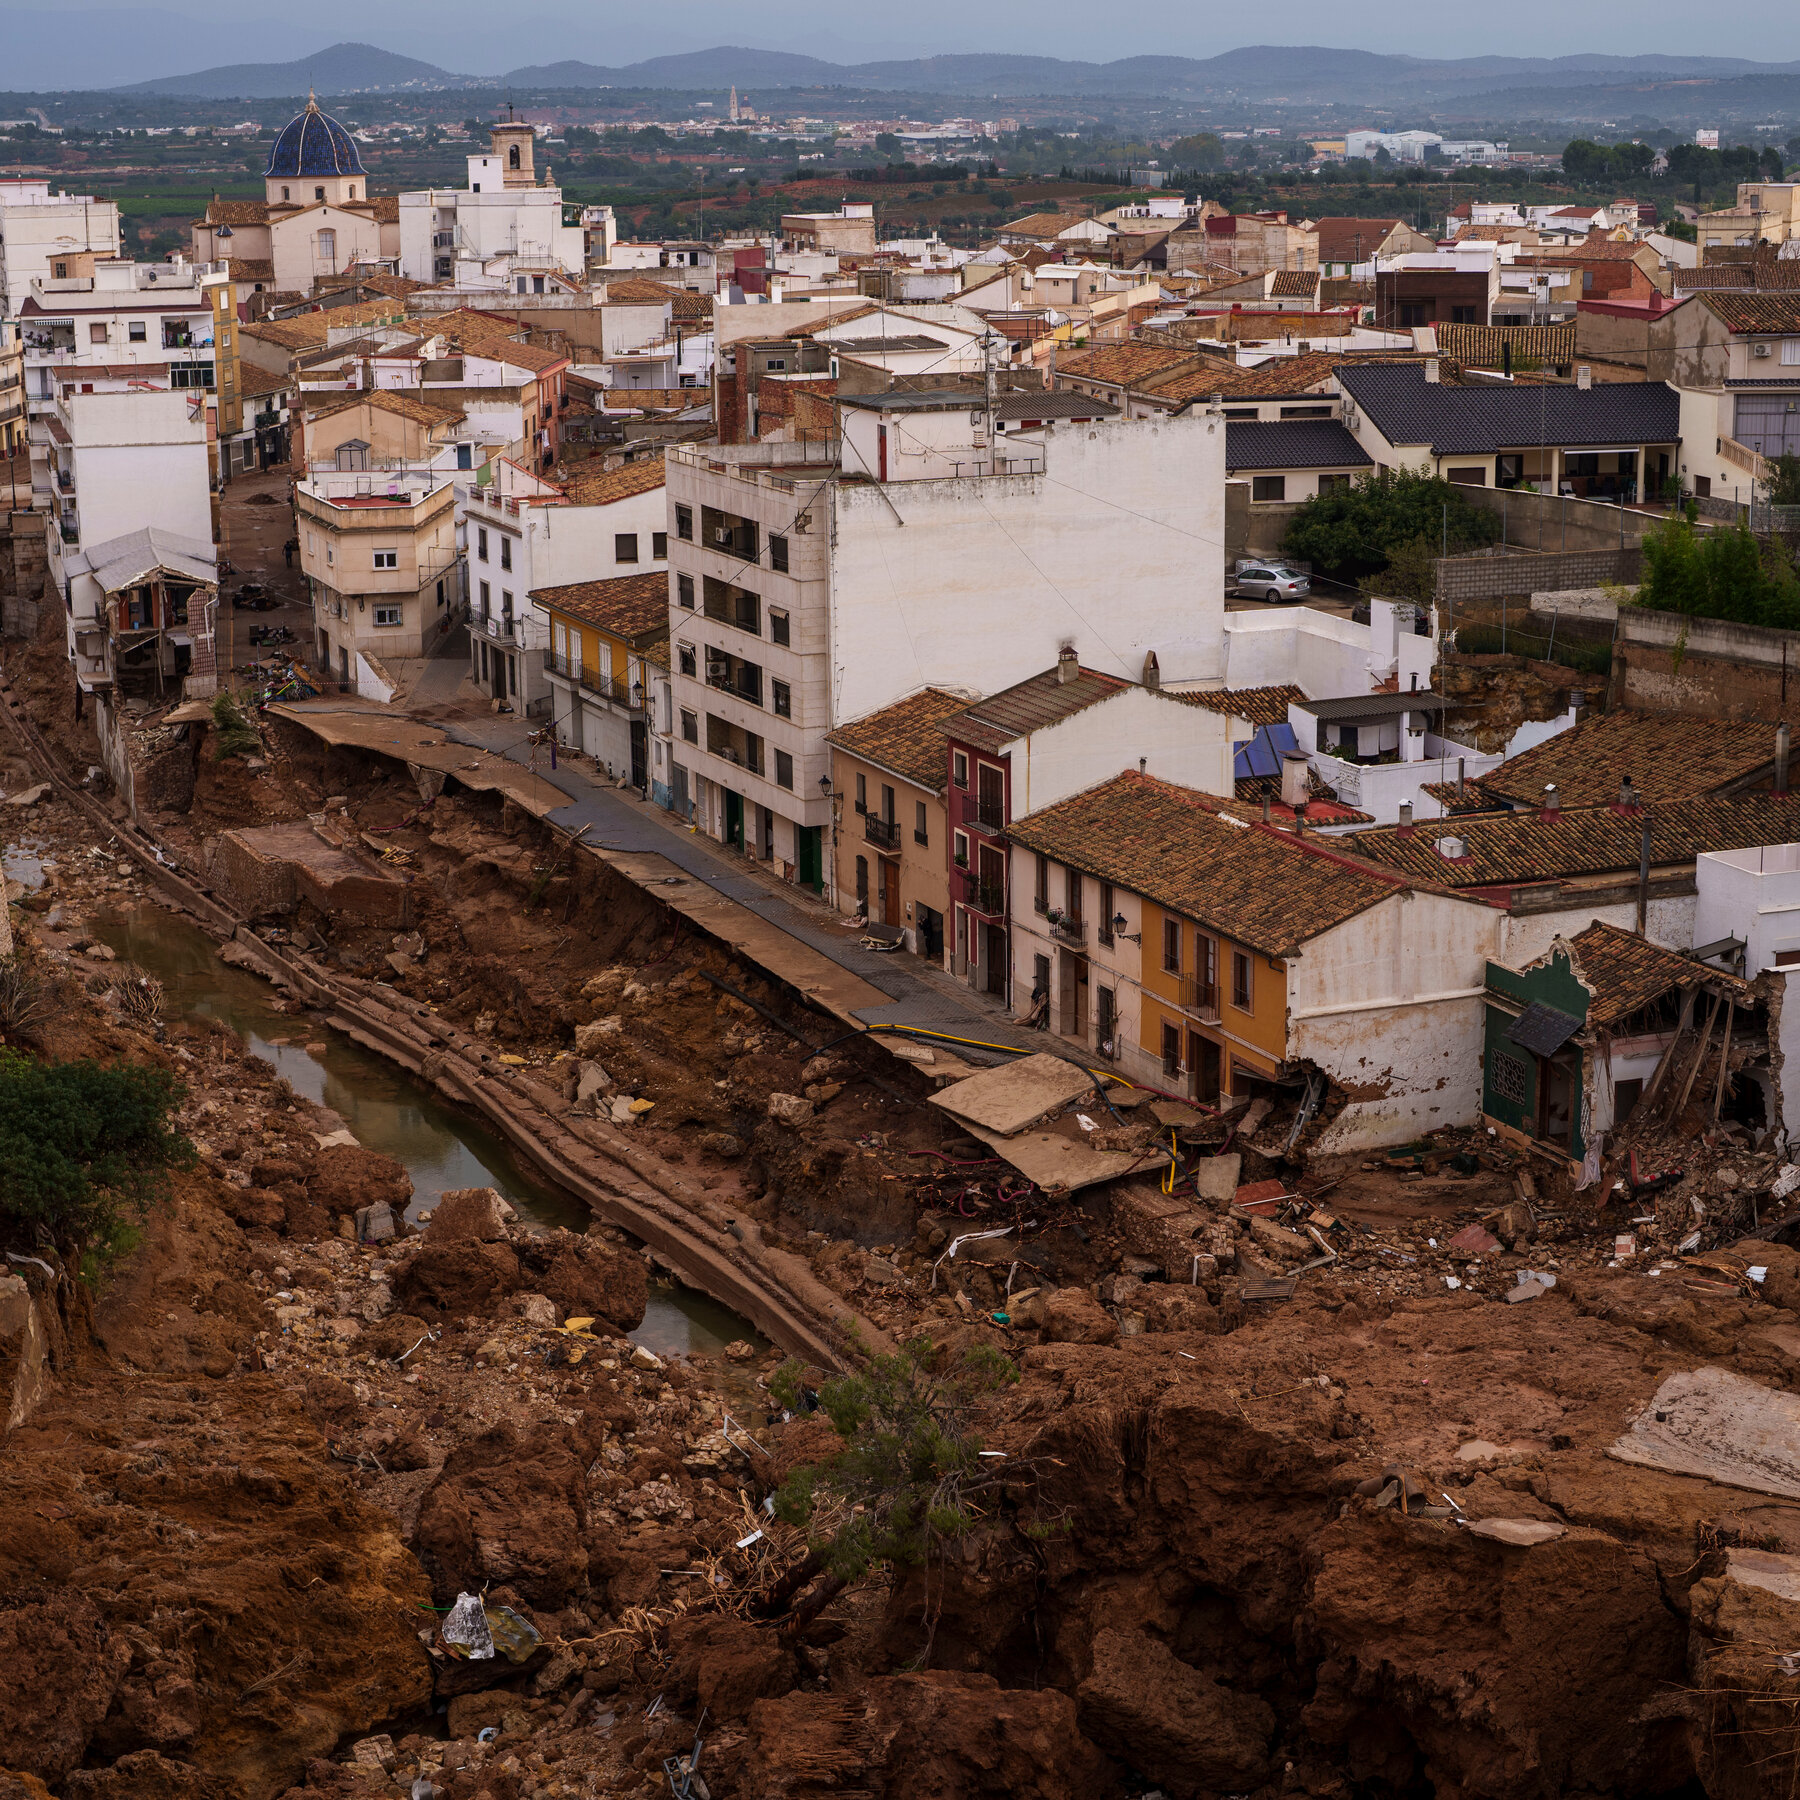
(608, 640)
(1164, 928)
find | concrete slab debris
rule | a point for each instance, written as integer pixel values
(1018, 1095)
(1522, 1533)
(1772, 1570)
(1174, 1112)
(1216, 1177)
(1716, 1424)
(1056, 1162)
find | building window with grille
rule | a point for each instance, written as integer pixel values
(781, 698)
(1040, 885)
(1511, 1079)
(920, 834)
(684, 592)
(690, 727)
(690, 663)
(862, 793)
(1171, 1052)
(684, 524)
(959, 769)
(1172, 946)
(387, 615)
(778, 552)
(481, 543)
(506, 553)
(778, 626)
(1242, 992)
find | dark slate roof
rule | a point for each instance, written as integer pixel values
(313, 143)
(1293, 444)
(1476, 421)
(1053, 406)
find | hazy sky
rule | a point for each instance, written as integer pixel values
(51, 40)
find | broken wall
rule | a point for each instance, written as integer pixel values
(24, 565)
(1389, 1006)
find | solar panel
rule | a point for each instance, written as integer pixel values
(1261, 755)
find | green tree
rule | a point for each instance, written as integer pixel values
(1726, 574)
(1781, 487)
(1584, 160)
(1204, 150)
(1633, 159)
(1358, 531)
(84, 1148)
(910, 1480)
(887, 144)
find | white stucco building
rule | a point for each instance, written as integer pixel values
(49, 236)
(502, 227)
(815, 583)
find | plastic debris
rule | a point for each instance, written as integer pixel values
(487, 1734)
(744, 1543)
(516, 1638)
(466, 1629)
(1786, 1182)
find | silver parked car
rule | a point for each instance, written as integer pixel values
(1269, 581)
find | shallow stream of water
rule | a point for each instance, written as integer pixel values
(387, 1109)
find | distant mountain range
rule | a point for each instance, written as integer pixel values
(1264, 72)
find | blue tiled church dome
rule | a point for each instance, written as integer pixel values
(313, 144)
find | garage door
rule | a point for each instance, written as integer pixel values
(1769, 423)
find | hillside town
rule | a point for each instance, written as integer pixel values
(846, 1014)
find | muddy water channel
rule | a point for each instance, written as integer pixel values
(387, 1109)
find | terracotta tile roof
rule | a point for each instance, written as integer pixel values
(1122, 364)
(1669, 756)
(1029, 706)
(1496, 234)
(1267, 889)
(1279, 375)
(237, 212)
(531, 357)
(253, 382)
(1521, 848)
(599, 487)
(1482, 346)
(309, 331)
(1044, 225)
(638, 290)
(384, 209)
(906, 738)
(1261, 705)
(1292, 283)
(395, 286)
(628, 607)
(389, 400)
(250, 268)
(1756, 312)
(690, 309)
(469, 325)
(1351, 240)
(1627, 973)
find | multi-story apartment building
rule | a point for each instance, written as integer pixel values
(12, 389)
(122, 469)
(380, 556)
(46, 236)
(110, 311)
(503, 228)
(818, 582)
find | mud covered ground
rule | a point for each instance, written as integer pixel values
(1368, 1539)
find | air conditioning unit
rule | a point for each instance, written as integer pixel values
(1762, 349)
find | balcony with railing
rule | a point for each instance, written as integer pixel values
(730, 675)
(502, 627)
(1198, 997)
(988, 816)
(594, 681)
(884, 834)
(1066, 930)
(983, 896)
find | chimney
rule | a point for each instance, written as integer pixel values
(1152, 671)
(1406, 815)
(1294, 772)
(1781, 759)
(1431, 370)
(1584, 377)
(1462, 762)
(1552, 800)
(1578, 704)
(1265, 809)
(1068, 665)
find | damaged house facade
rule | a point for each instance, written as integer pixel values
(1605, 1026)
(1229, 958)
